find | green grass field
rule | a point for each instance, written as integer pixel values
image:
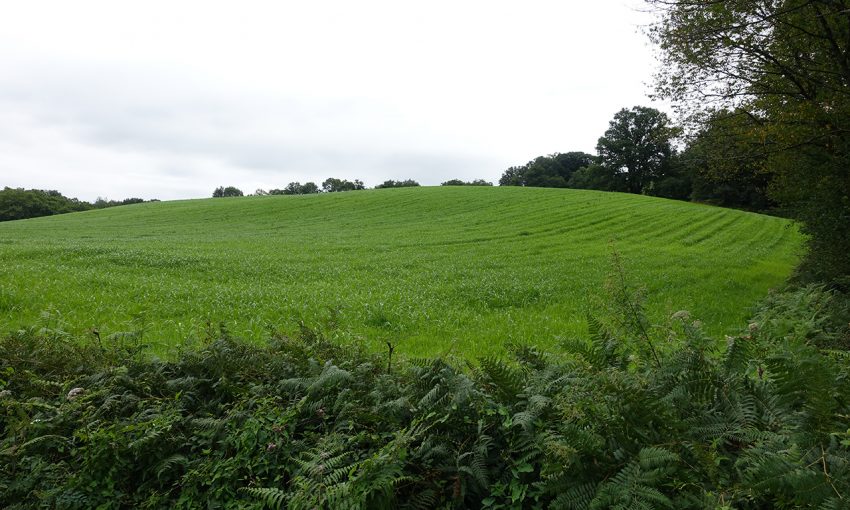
(432, 269)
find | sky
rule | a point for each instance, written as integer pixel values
(171, 99)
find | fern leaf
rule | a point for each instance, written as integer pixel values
(271, 497)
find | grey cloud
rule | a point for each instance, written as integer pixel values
(268, 140)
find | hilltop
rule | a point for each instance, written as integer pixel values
(431, 269)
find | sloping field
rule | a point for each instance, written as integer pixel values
(431, 269)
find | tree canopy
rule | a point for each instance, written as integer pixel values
(229, 191)
(784, 67)
(553, 171)
(19, 203)
(332, 185)
(408, 183)
(458, 182)
(296, 188)
(637, 145)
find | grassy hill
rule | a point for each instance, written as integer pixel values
(432, 269)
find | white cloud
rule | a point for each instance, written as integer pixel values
(170, 99)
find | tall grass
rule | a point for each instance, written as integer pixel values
(431, 270)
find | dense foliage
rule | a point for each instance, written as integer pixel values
(783, 67)
(19, 203)
(227, 191)
(637, 146)
(332, 185)
(636, 155)
(407, 183)
(630, 417)
(726, 165)
(552, 171)
(459, 182)
(296, 188)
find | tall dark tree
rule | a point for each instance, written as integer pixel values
(786, 65)
(638, 145)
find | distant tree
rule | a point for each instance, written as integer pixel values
(553, 171)
(103, 203)
(293, 188)
(638, 144)
(296, 188)
(409, 183)
(309, 188)
(332, 185)
(261, 192)
(229, 191)
(513, 176)
(18, 203)
(458, 182)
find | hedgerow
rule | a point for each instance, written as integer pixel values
(759, 422)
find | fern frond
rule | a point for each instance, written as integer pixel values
(634, 486)
(170, 463)
(331, 376)
(653, 457)
(271, 497)
(505, 381)
(575, 498)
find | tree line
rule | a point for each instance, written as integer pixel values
(764, 88)
(637, 154)
(20, 203)
(335, 185)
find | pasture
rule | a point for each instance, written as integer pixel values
(433, 270)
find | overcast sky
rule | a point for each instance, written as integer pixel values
(169, 99)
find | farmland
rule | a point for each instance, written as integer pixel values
(433, 270)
